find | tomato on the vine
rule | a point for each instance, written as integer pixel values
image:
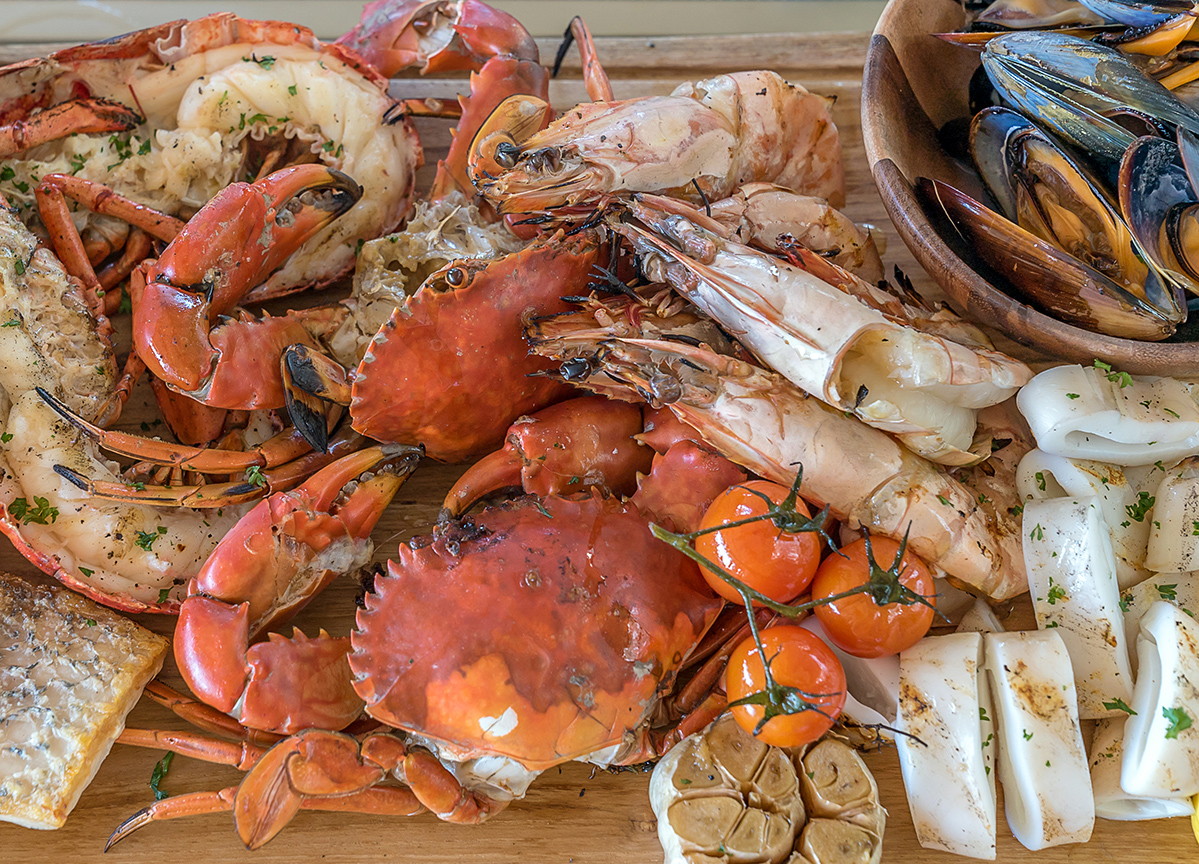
(859, 625)
(798, 659)
(773, 562)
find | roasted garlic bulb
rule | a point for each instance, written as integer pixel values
(723, 796)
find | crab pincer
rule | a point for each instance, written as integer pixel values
(235, 242)
(277, 558)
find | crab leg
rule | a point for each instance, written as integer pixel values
(284, 447)
(82, 116)
(265, 570)
(206, 717)
(375, 800)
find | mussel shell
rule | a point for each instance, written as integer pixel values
(1138, 14)
(1153, 183)
(1068, 86)
(1181, 230)
(1188, 151)
(1038, 14)
(991, 139)
(1055, 282)
(1043, 190)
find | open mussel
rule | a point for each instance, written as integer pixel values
(1076, 88)
(1159, 203)
(1045, 192)
(1055, 282)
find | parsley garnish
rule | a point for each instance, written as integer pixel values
(86, 572)
(1071, 395)
(1037, 533)
(145, 539)
(40, 513)
(1121, 378)
(292, 89)
(1167, 592)
(1179, 720)
(943, 500)
(1040, 481)
(1056, 592)
(254, 476)
(1119, 705)
(1137, 510)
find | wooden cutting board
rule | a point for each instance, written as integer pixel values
(573, 813)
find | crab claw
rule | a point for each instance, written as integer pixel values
(438, 36)
(274, 561)
(314, 762)
(235, 242)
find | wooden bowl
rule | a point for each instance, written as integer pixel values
(914, 83)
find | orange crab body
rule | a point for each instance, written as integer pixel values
(541, 631)
(451, 368)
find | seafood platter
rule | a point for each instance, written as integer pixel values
(611, 500)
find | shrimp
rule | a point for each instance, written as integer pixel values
(768, 425)
(701, 142)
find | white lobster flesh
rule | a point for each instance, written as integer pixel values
(131, 556)
(211, 92)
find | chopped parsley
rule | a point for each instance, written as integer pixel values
(77, 163)
(1037, 533)
(86, 572)
(943, 500)
(163, 595)
(254, 476)
(292, 89)
(1071, 395)
(1027, 734)
(1121, 378)
(1137, 510)
(1172, 413)
(1040, 480)
(1119, 705)
(1056, 592)
(1167, 592)
(1179, 720)
(145, 539)
(40, 513)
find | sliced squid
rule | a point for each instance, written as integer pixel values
(980, 618)
(1112, 802)
(1072, 579)
(1104, 416)
(948, 774)
(1161, 737)
(1125, 498)
(1174, 530)
(1042, 763)
(1181, 589)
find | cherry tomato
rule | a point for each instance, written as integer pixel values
(799, 659)
(772, 562)
(857, 624)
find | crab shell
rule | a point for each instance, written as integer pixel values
(543, 631)
(153, 70)
(451, 368)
